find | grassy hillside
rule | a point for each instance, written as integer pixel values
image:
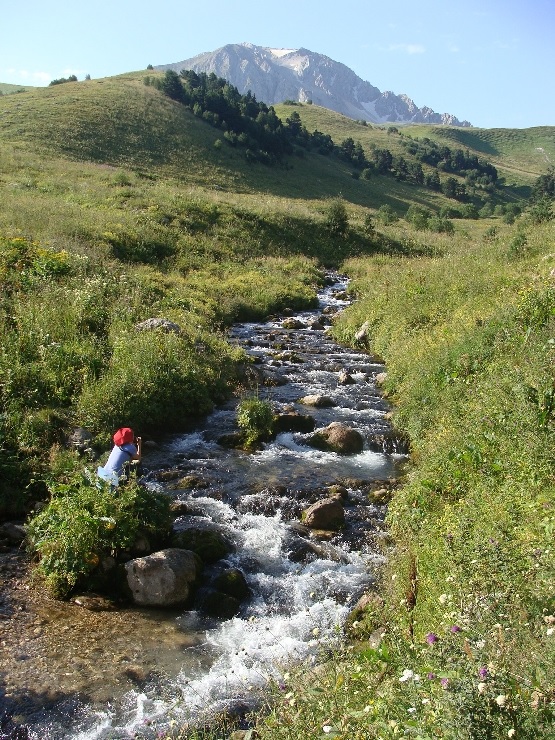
(7, 89)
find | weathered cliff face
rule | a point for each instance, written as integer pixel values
(275, 75)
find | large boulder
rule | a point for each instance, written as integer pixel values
(165, 578)
(327, 514)
(337, 437)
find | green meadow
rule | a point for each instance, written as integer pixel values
(119, 204)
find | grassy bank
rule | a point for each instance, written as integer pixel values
(458, 641)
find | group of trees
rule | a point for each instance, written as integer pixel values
(244, 120)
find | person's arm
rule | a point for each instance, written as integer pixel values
(139, 445)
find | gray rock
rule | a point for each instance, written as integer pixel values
(165, 578)
(318, 401)
(163, 324)
(345, 378)
(14, 533)
(337, 437)
(327, 514)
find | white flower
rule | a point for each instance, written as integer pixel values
(442, 599)
(315, 631)
(550, 631)
(425, 701)
(512, 732)
(327, 728)
(406, 675)
(501, 700)
(480, 644)
(411, 710)
(481, 687)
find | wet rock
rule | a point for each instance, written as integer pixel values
(219, 605)
(337, 437)
(168, 475)
(13, 533)
(381, 496)
(203, 538)
(288, 356)
(179, 508)
(165, 578)
(390, 442)
(316, 326)
(232, 582)
(188, 482)
(345, 378)
(292, 323)
(318, 401)
(94, 603)
(273, 380)
(338, 491)
(294, 422)
(327, 514)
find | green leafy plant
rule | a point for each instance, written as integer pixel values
(255, 417)
(85, 521)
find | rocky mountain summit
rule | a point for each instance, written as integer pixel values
(275, 75)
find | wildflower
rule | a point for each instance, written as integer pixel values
(406, 675)
(482, 687)
(315, 631)
(550, 631)
(445, 682)
(480, 644)
(431, 676)
(442, 599)
(327, 728)
(501, 700)
(511, 732)
(455, 628)
(483, 672)
(411, 710)
(425, 700)
(431, 637)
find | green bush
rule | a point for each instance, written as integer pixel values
(156, 380)
(255, 417)
(84, 521)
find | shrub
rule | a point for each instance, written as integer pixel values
(337, 219)
(84, 521)
(387, 215)
(255, 417)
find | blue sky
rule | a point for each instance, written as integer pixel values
(491, 62)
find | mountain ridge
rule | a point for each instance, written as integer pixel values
(274, 75)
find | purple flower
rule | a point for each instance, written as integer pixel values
(445, 682)
(483, 672)
(455, 628)
(431, 676)
(431, 637)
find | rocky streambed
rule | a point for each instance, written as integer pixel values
(91, 669)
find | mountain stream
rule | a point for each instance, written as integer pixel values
(112, 674)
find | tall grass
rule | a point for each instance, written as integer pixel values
(462, 643)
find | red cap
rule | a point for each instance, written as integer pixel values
(123, 436)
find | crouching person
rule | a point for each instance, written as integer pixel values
(126, 449)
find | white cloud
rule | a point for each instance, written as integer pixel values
(23, 76)
(408, 48)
